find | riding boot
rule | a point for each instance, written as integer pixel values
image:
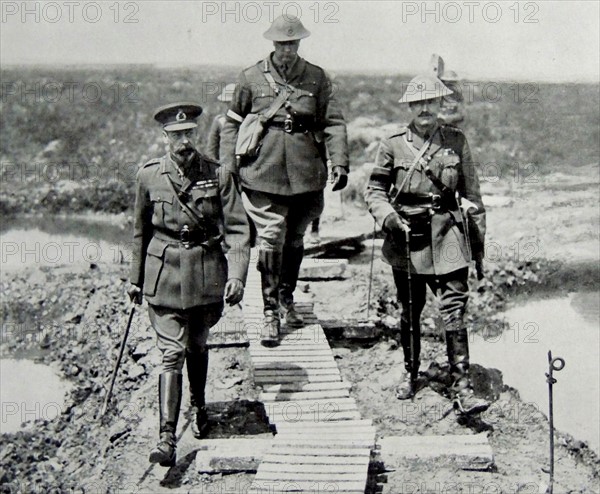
(408, 387)
(290, 268)
(457, 345)
(169, 394)
(197, 367)
(269, 265)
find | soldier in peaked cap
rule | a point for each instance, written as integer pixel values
(283, 182)
(213, 140)
(190, 250)
(422, 180)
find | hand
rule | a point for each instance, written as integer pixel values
(135, 294)
(234, 291)
(395, 225)
(340, 177)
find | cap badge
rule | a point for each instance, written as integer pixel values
(290, 31)
(180, 116)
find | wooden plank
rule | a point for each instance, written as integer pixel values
(316, 459)
(304, 395)
(278, 365)
(268, 379)
(284, 450)
(278, 416)
(311, 433)
(275, 357)
(296, 371)
(315, 477)
(289, 351)
(232, 454)
(468, 451)
(304, 386)
(326, 442)
(358, 424)
(293, 467)
(312, 487)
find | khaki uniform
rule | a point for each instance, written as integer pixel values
(288, 163)
(179, 263)
(213, 140)
(438, 240)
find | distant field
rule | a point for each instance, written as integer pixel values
(101, 123)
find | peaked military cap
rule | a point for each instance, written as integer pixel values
(178, 116)
(286, 28)
(227, 93)
(424, 87)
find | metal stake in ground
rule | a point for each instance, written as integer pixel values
(118, 362)
(554, 364)
(414, 373)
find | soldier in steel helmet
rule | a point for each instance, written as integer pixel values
(191, 250)
(283, 182)
(213, 140)
(422, 183)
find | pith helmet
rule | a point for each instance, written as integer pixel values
(424, 87)
(227, 93)
(450, 76)
(286, 28)
(178, 116)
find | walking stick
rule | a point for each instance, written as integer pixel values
(371, 269)
(413, 356)
(554, 364)
(118, 362)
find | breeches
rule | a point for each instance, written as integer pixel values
(181, 331)
(281, 220)
(453, 289)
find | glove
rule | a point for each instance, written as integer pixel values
(396, 226)
(135, 294)
(234, 291)
(340, 177)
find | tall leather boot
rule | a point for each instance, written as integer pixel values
(408, 387)
(269, 265)
(169, 394)
(197, 368)
(457, 345)
(290, 268)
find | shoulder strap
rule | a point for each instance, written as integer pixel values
(196, 217)
(415, 162)
(282, 96)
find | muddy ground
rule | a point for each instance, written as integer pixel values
(72, 318)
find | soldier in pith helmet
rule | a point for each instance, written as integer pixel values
(451, 110)
(213, 140)
(283, 182)
(422, 182)
(190, 251)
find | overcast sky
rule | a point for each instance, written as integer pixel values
(509, 40)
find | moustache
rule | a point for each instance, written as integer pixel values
(425, 114)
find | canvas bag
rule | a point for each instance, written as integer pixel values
(252, 128)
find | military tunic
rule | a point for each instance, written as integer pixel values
(213, 140)
(182, 262)
(438, 239)
(288, 163)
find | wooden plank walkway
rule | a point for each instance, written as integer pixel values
(322, 444)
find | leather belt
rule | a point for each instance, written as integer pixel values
(436, 202)
(188, 238)
(288, 126)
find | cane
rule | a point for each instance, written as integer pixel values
(118, 362)
(413, 371)
(554, 364)
(371, 268)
